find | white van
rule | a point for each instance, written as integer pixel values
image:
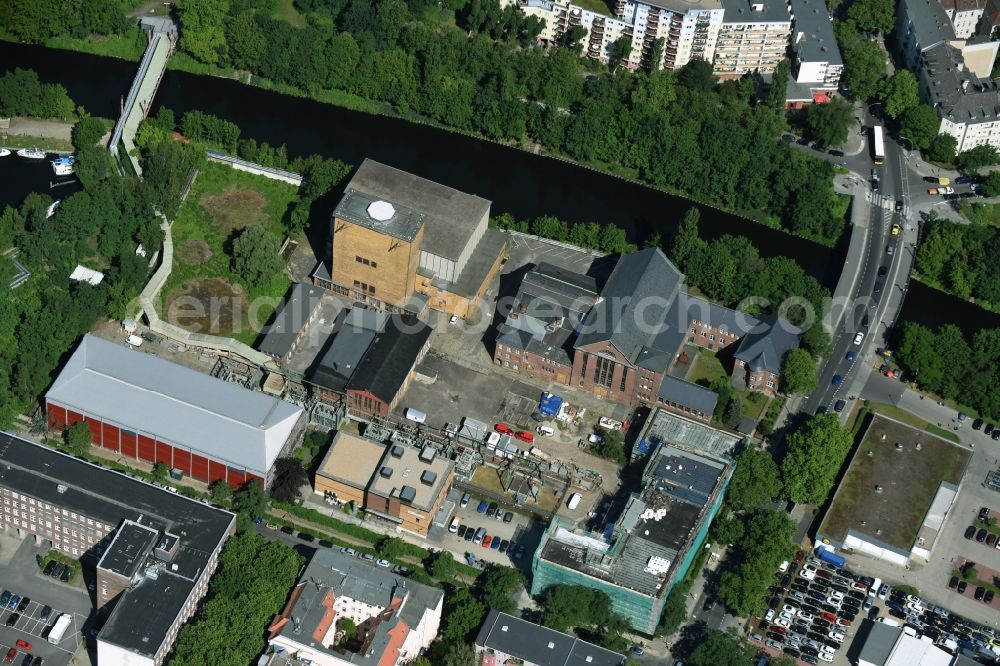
(415, 415)
(545, 431)
(574, 501)
(453, 528)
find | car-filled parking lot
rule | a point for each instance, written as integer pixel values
(485, 530)
(815, 610)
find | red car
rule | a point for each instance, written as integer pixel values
(829, 617)
(778, 629)
(486, 541)
(23, 644)
(525, 436)
(11, 653)
(824, 574)
(504, 429)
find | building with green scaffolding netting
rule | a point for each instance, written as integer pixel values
(637, 559)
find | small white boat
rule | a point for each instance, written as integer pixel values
(53, 208)
(4, 152)
(31, 153)
(63, 166)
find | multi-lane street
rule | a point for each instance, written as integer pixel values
(877, 292)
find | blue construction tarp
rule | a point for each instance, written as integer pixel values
(643, 447)
(550, 404)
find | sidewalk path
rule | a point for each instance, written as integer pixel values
(44, 129)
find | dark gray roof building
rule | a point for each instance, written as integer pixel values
(292, 316)
(878, 643)
(765, 347)
(505, 636)
(165, 573)
(382, 371)
(690, 396)
(633, 304)
(813, 40)
(549, 306)
(355, 335)
(755, 11)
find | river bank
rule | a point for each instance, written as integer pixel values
(49, 135)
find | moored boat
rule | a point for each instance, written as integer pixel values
(31, 153)
(4, 152)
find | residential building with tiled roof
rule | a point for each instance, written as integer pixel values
(394, 618)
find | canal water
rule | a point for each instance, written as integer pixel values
(517, 182)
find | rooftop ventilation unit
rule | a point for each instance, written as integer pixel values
(396, 452)
(427, 454)
(407, 494)
(428, 478)
(61, 488)
(386, 472)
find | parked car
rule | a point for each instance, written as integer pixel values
(465, 500)
(953, 583)
(495, 545)
(385, 564)
(504, 545)
(961, 587)
(839, 406)
(491, 510)
(23, 604)
(12, 619)
(980, 593)
(859, 337)
(4, 599)
(981, 535)
(836, 380)
(899, 206)
(45, 613)
(462, 529)
(487, 540)
(996, 434)
(482, 507)
(49, 566)
(508, 516)
(15, 599)
(469, 534)
(988, 598)
(895, 230)
(977, 424)
(988, 429)
(11, 653)
(970, 532)
(525, 436)
(503, 429)
(23, 645)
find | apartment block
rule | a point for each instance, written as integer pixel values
(689, 30)
(965, 15)
(155, 551)
(968, 104)
(393, 618)
(505, 639)
(753, 37)
(817, 64)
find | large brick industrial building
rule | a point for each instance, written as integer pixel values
(154, 551)
(147, 408)
(622, 343)
(402, 243)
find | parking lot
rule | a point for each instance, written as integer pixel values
(522, 534)
(19, 575)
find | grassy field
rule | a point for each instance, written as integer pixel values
(13, 141)
(285, 11)
(906, 417)
(909, 478)
(129, 46)
(706, 368)
(980, 213)
(202, 293)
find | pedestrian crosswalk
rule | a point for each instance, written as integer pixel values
(880, 201)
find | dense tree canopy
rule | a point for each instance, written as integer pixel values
(500, 584)
(799, 372)
(755, 481)
(289, 477)
(873, 15)
(900, 93)
(767, 540)
(945, 363)
(942, 148)
(957, 257)
(22, 94)
(978, 157)
(37, 20)
(920, 125)
(248, 590)
(829, 123)
(864, 62)
(721, 648)
(257, 255)
(816, 452)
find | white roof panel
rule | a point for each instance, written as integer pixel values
(179, 405)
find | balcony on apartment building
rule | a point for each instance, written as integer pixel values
(574, 16)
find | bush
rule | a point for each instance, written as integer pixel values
(78, 437)
(257, 255)
(87, 132)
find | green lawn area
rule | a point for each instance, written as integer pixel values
(980, 213)
(908, 478)
(706, 368)
(202, 292)
(906, 417)
(285, 11)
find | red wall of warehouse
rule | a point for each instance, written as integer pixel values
(149, 449)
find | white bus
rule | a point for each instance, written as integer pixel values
(59, 628)
(878, 144)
